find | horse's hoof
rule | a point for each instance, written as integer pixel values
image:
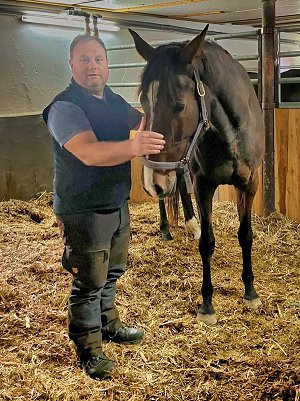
(252, 303)
(207, 319)
(166, 237)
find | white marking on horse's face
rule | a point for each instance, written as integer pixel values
(152, 99)
(158, 184)
(148, 181)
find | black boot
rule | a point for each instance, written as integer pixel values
(92, 359)
(98, 367)
(124, 335)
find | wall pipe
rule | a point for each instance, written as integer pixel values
(289, 54)
(95, 25)
(87, 28)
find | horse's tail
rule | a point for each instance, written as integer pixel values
(172, 208)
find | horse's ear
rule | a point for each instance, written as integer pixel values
(143, 48)
(192, 51)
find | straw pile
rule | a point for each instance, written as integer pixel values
(247, 356)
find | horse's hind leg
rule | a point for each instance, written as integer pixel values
(191, 222)
(204, 196)
(244, 204)
(164, 223)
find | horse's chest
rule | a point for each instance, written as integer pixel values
(215, 158)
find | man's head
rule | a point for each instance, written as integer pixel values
(89, 65)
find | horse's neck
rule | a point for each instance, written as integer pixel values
(226, 88)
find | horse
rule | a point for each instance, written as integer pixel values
(191, 222)
(203, 102)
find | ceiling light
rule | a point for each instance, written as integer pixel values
(66, 22)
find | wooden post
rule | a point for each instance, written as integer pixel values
(268, 101)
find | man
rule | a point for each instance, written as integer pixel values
(90, 125)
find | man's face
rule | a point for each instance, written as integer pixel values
(89, 66)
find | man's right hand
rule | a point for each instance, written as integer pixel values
(147, 142)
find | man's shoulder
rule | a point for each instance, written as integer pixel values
(67, 95)
(65, 107)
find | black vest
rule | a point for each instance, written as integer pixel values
(79, 188)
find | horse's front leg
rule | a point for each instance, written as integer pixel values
(191, 222)
(163, 222)
(204, 195)
(244, 205)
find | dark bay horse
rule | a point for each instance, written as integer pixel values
(227, 147)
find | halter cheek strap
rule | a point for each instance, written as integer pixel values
(185, 161)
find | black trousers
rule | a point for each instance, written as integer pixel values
(96, 250)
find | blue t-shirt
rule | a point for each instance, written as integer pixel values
(66, 120)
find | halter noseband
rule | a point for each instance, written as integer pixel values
(185, 161)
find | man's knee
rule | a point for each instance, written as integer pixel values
(119, 249)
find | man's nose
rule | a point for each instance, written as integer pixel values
(93, 63)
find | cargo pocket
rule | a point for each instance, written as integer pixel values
(89, 267)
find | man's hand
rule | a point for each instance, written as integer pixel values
(147, 142)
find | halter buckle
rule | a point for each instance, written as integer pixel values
(200, 88)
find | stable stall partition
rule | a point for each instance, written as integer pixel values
(287, 167)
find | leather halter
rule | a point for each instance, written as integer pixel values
(184, 163)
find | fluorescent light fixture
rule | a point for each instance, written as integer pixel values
(67, 22)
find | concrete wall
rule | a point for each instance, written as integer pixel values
(26, 159)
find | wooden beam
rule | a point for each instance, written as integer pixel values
(268, 60)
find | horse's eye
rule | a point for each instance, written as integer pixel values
(179, 107)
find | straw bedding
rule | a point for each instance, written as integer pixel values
(246, 356)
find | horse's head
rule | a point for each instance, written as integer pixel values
(168, 97)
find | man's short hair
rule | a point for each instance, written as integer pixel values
(85, 38)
